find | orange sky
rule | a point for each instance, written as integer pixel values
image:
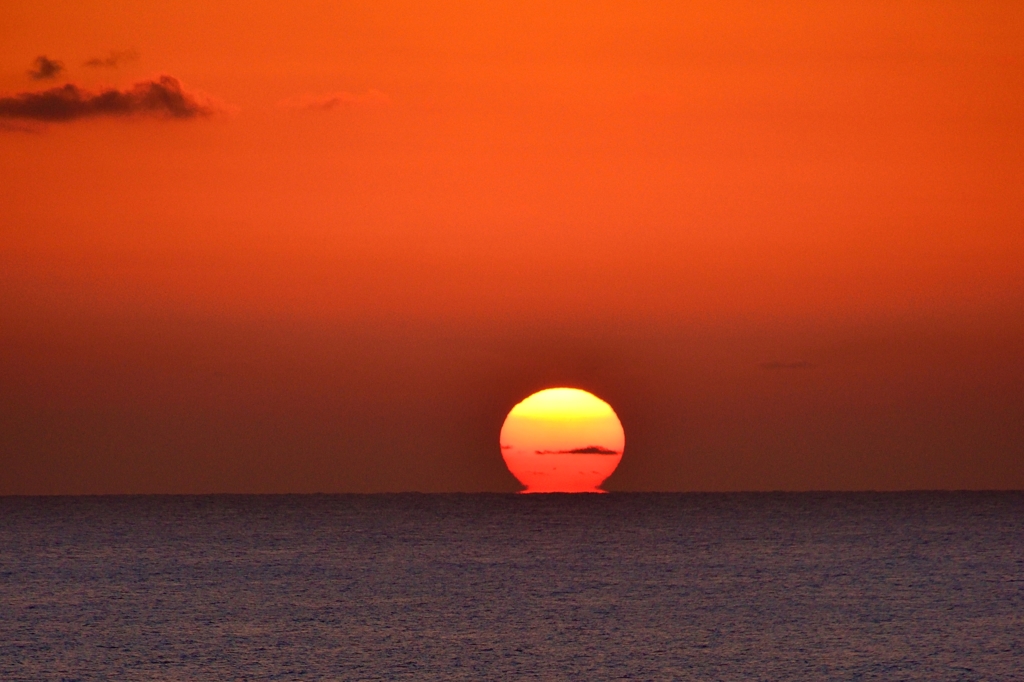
(783, 240)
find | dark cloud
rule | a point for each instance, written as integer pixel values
(589, 450)
(114, 59)
(45, 68)
(164, 97)
(776, 364)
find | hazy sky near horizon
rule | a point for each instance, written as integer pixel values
(316, 246)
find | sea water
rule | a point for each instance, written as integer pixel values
(910, 586)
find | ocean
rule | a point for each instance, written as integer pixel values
(807, 586)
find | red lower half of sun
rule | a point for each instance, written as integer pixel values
(562, 473)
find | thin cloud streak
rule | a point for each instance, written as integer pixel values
(799, 364)
(162, 98)
(9, 127)
(335, 100)
(113, 60)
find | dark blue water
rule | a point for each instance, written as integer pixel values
(916, 586)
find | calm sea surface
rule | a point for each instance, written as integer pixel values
(915, 586)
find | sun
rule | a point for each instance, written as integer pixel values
(562, 440)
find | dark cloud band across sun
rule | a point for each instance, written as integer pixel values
(163, 97)
(589, 450)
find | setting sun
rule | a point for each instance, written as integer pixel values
(562, 440)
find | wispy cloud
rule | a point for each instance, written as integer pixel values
(44, 68)
(335, 100)
(164, 98)
(114, 59)
(18, 127)
(777, 364)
